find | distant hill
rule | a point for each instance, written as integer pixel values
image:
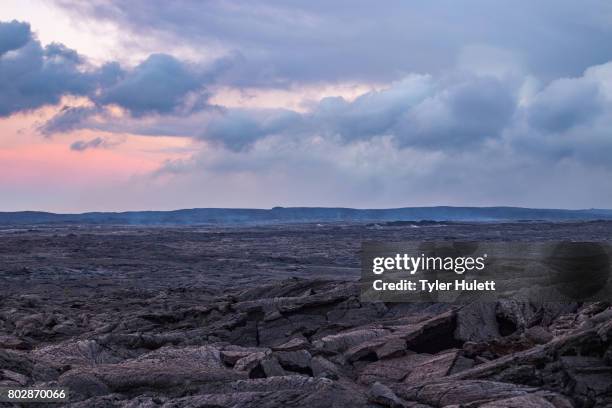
(302, 215)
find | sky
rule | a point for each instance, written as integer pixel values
(110, 105)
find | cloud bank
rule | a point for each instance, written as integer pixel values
(305, 41)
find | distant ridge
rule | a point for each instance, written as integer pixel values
(277, 215)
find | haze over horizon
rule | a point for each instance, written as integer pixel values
(116, 106)
(144, 210)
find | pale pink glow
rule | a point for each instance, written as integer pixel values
(29, 160)
(44, 164)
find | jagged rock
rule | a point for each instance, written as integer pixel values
(590, 376)
(8, 376)
(272, 368)
(598, 318)
(539, 355)
(297, 303)
(450, 392)
(279, 331)
(392, 348)
(15, 343)
(118, 401)
(391, 370)
(231, 354)
(513, 315)
(434, 334)
(322, 367)
(292, 287)
(477, 322)
(434, 367)
(390, 345)
(294, 391)
(16, 362)
(365, 349)
(294, 344)
(580, 319)
(430, 334)
(75, 353)
(496, 348)
(161, 369)
(294, 360)
(461, 364)
(563, 324)
(251, 361)
(146, 375)
(231, 357)
(340, 342)
(538, 335)
(352, 313)
(85, 384)
(272, 315)
(66, 329)
(383, 395)
(548, 312)
(535, 400)
(139, 340)
(143, 402)
(32, 326)
(203, 356)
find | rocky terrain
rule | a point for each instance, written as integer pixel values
(271, 317)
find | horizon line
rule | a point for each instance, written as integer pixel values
(307, 207)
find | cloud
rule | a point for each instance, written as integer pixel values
(238, 129)
(566, 103)
(459, 114)
(453, 113)
(13, 35)
(68, 119)
(312, 41)
(32, 76)
(159, 84)
(373, 113)
(95, 143)
(419, 111)
(567, 119)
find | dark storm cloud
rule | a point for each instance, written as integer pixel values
(32, 76)
(309, 41)
(157, 85)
